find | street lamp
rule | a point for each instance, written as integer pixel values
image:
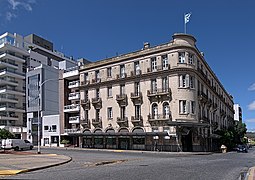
(39, 115)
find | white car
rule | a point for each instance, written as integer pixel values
(16, 144)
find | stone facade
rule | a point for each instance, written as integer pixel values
(164, 97)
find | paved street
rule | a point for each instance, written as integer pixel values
(129, 165)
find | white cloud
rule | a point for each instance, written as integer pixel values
(10, 15)
(252, 87)
(250, 120)
(251, 106)
(15, 5)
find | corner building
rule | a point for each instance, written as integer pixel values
(164, 98)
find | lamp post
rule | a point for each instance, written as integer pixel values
(39, 115)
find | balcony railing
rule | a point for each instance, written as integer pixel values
(159, 117)
(202, 96)
(135, 119)
(72, 131)
(97, 121)
(122, 119)
(136, 95)
(71, 108)
(157, 92)
(73, 96)
(85, 82)
(136, 73)
(97, 102)
(85, 121)
(85, 103)
(121, 99)
(97, 80)
(74, 119)
(73, 84)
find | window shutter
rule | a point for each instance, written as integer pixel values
(187, 80)
(188, 107)
(180, 81)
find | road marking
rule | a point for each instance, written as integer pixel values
(11, 172)
(118, 151)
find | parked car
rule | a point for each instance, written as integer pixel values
(242, 148)
(16, 144)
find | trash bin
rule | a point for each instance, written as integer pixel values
(223, 148)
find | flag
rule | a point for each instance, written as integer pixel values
(186, 18)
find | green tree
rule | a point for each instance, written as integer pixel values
(5, 134)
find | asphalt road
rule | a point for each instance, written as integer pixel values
(150, 166)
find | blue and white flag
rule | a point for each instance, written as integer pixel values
(186, 18)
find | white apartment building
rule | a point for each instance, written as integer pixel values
(163, 98)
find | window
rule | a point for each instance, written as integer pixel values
(186, 81)
(122, 71)
(137, 111)
(191, 58)
(109, 72)
(109, 92)
(165, 84)
(46, 128)
(109, 113)
(181, 57)
(153, 64)
(154, 85)
(122, 89)
(137, 88)
(183, 107)
(86, 78)
(192, 107)
(97, 76)
(164, 61)
(122, 112)
(54, 128)
(137, 68)
(154, 111)
(166, 112)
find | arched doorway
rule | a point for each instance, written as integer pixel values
(98, 139)
(138, 139)
(87, 139)
(123, 139)
(110, 141)
(166, 110)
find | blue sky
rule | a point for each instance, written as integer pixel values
(102, 28)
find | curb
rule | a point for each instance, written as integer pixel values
(15, 172)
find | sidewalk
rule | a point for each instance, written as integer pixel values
(12, 162)
(251, 174)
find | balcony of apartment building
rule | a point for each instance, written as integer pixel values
(75, 130)
(12, 56)
(8, 98)
(202, 96)
(85, 121)
(85, 103)
(71, 72)
(5, 107)
(9, 117)
(73, 108)
(122, 120)
(97, 102)
(159, 93)
(159, 117)
(74, 96)
(121, 99)
(74, 119)
(9, 90)
(8, 81)
(12, 73)
(8, 63)
(84, 82)
(136, 119)
(96, 80)
(73, 84)
(136, 73)
(136, 97)
(158, 68)
(97, 122)
(121, 75)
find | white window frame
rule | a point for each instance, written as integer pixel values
(165, 61)
(181, 56)
(183, 107)
(109, 113)
(153, 64)
(109, 72)
(191, 58)
(109, 92)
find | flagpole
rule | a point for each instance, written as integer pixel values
(184, 25)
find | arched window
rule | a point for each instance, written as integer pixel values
(154, 111)
(166, 110)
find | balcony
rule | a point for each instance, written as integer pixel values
(121, 99)
(84, 82)
(12, 57)
(136, 119)
(5, 72)
(6, 90)
(97, 121)
(122, 75)
(74, 96)
(7, 63)
(158, 93)
(136, 97)
(159, 117)
(7, 81)
(96, 80)
(85, 121)
(202, 96)
(12, 108)
(73, 108)
(136, 73)
(122, 119)
(7, 98)
(97, 102)
(74, 120)
(72, 131)
(74, 84)
(7, 117)
(85, 103)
